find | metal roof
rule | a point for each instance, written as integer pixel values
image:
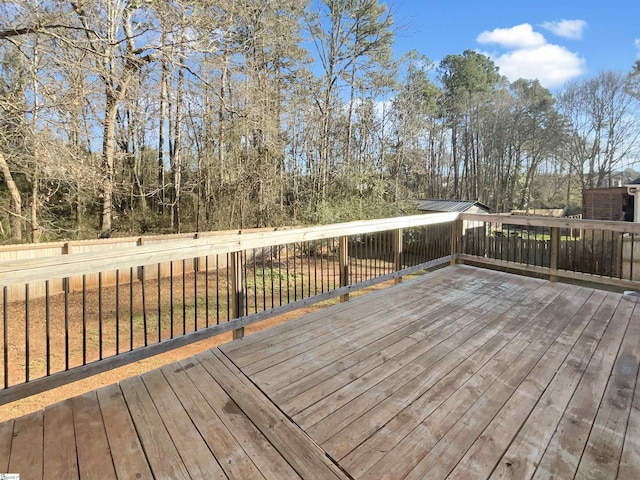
(449, 205)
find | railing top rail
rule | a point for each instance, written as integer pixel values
(32, 270)
(624, 227)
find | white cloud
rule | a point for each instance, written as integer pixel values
(551, 64)
(527, 54)
(637, 44)
(566, 28)
(520, 36)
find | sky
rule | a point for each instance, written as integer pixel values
(554, 41)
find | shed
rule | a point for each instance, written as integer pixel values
(466, 206)
(612, 203)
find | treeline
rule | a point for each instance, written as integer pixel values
(168, 116)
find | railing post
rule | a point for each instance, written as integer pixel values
(237, 291)
(344, 266)
(456, 240)
(397, 253)
(555, 252)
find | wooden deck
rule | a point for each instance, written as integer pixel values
(463, 373)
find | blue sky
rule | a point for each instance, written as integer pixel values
(554, 41)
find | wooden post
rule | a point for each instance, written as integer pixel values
(397, 253)
(237, 291)
(555, 252)
(344, 266)
(456, 241)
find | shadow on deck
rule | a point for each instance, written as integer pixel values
(462, 373)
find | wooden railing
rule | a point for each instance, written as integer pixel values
(558, 248)
(118, 306)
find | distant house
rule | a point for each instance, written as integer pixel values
(466, 206)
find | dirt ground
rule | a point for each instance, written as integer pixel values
(39, 401)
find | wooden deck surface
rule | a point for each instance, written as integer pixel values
(464, 373)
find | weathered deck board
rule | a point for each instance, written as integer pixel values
(60, 460)
(451, 330)
(461, 374)
(488, 448)
(27, 448)
(470, 378)
(470, 408)
(127, 454)
(469, 389)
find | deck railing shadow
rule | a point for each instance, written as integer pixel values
(114, 307)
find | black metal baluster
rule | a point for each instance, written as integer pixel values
(100, 314)
(228, 289)
(47, 316)
(5, 334)
(159, 303)
(26, 333)
(255, 282)
(171, 304)
(184, 297)
(130, 308)
(144, 305)
(206, 290)
(66, 323)
(117, 312)
(286, 254)
(195, 295)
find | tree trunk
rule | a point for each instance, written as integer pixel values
(108, 156)
(15, 213)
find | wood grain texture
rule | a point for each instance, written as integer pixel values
(27, 448)
(257, 447)
(94, 454)
(127, 454)
(163, 456)
(229, 453)
(60, 458)
(306, 458)
(6, 438)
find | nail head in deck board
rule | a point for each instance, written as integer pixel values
(94, 455)
(127, 454)
(6, 438)
(27, 446)
(60, 457)
(162, 455)
(309, 461)
(198, 459)
(602, 453)
(268, 460)
(229, 453)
